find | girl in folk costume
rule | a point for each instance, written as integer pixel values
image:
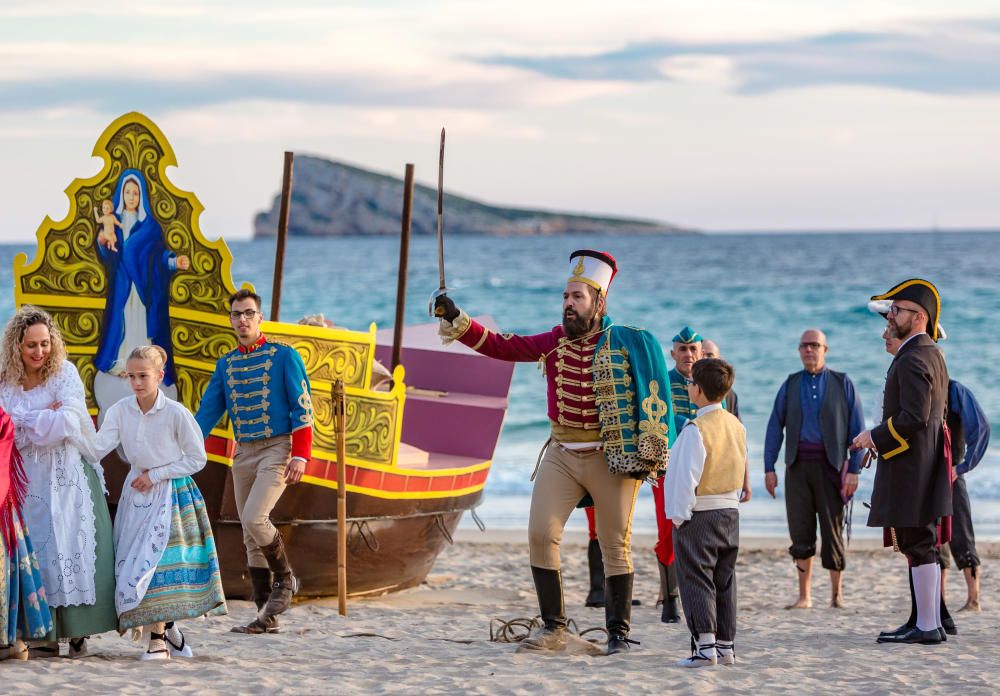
(167, 568)
(24, 611)
(64, 506)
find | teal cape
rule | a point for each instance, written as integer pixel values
(632, 391)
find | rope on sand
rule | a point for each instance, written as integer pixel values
(516, 630)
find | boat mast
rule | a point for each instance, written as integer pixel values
(279, 253)
(404, 254)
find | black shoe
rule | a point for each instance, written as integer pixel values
(949, 626)
(595, 561)
(899, 631)
(914, 635)
(618, 612)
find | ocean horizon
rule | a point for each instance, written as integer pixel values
(751, 293)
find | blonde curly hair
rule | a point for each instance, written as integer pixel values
(11, 364)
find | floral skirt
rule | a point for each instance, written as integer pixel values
(24, 612)
(187, 582)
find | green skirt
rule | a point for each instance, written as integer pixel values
(100, 617)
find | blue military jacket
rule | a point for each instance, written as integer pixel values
(265, 392)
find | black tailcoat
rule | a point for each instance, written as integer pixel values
(912, 481)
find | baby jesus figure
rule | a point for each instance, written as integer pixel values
(106, 237)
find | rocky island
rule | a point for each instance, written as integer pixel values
(331, 198)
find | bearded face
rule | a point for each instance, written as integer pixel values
(580, 305)
(576, 325)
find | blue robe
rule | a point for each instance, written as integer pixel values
(143, 260)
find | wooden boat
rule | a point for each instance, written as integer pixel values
(418, 452)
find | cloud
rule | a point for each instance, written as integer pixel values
(947, 58)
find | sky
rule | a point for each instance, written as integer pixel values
(722, 115)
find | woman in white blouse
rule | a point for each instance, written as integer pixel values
(64, 510)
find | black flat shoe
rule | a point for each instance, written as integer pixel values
(898, 632)
(949, 626)
(913, 635)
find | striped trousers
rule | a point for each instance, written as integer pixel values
(706, 547)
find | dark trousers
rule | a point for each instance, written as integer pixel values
(918, 544)
(705, 548)
(963, 538)
(811, 493)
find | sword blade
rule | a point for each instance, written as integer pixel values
(441, 214)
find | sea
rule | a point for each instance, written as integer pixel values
(753, 294)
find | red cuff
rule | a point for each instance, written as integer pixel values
(302, 440)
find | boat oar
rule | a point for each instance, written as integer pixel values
(340, 424)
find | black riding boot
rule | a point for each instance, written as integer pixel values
(548, 587)
(596, 562)
(618, 611)
(284, 585)
(671, 593)
(260, 587)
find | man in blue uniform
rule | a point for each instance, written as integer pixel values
(264, 388)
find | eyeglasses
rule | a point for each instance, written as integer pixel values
(896, 309)
(811, 344)
(688, 381)
(247, 314)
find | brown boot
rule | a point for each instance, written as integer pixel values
(260, 586)
(284, 585)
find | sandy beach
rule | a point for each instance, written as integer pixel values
(435, 638)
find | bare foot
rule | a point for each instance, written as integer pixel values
(801, 604)
(971, 606)
(837, 602)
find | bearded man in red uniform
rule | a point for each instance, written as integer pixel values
(611, 428)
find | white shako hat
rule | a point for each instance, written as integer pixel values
(595, 268)
(882, 307)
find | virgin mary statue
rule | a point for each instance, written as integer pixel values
(138, 275)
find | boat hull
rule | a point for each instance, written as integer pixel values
(391, 544)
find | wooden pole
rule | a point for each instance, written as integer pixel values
(279, 253)
(404, 255)
(340, 423)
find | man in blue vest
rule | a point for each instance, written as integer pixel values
(819, 411)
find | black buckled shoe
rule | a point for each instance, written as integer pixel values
(914, 635)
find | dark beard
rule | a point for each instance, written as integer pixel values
(896, 330)
(576, 325)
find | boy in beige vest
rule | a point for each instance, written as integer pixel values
(702, 491)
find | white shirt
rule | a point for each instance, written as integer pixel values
(687, 463)
(166, 440)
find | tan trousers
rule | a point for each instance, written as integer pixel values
(258, 482)
(563, 478)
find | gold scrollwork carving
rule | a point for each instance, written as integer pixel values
(78, 326)
(331, 360)
(371, 427)
(199, 341)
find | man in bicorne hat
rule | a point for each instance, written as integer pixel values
(970, 436)
(912, 490)
(612, 426)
